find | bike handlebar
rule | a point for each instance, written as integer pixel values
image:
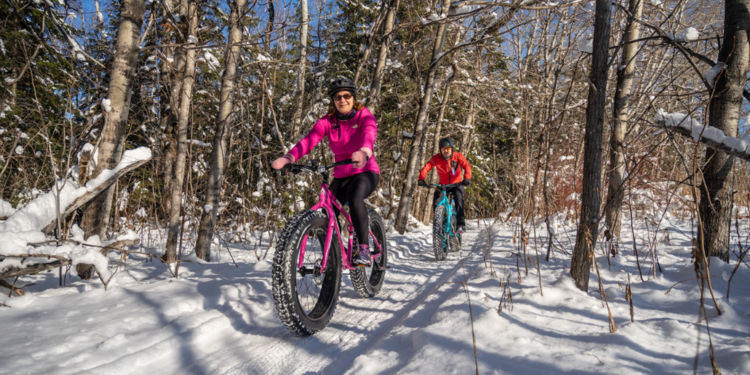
(297, 168)
(443, 187)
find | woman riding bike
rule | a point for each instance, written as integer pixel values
(351, 131)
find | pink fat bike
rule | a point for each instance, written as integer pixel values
(310, 257)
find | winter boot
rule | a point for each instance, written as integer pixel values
(361, 256)
(460, 229)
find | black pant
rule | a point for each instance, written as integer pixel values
(458, 199)
(354, 189)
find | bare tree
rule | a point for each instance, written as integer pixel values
(625, 75)
(385, 42)
(407, 191)
(436, 145)
(176, 11)
(226, 116)
(592, 153)
(297, 119)
(110, 146)
(178, 176)
(724, 113)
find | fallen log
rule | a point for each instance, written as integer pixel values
(18, 290)
(83, 199)
(36, 268)
(60, 260)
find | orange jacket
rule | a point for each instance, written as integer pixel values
(449, 171)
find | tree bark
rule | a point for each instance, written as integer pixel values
(592, 152)
(407, 190)
(177, 70)
(219, 152)
(178, 175)
(96, 215)
(616, 175)
(385, 42)
(269, 27)
(466, 133)
(724, 113)
(427, 215)
(368, 48)
(297, 119)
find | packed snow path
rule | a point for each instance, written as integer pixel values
(358, 324)
(221, 319)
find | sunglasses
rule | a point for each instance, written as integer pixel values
(445, 149)
(343, 96)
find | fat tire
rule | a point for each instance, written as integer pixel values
(439, 240)
(285, 270)
(367, 287)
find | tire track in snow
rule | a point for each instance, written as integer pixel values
(338, 367)
(354, 329)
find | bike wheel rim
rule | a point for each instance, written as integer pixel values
(311, 288)
(373, 276)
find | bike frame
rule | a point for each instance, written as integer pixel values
(327, 201)
(445, 201)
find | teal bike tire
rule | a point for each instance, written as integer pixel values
(440, 238)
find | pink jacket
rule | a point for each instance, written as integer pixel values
(344, 139)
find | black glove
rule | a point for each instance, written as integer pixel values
(422, 183)
(466, 182)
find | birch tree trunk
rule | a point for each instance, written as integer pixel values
(96, 215)
(178, 175)
(592, 152)
(407, 190)
(616, 175)
(385, 42)
(427, 215)
(177, 73)
(724, 113)
(297, 119)
(226, 114)
(466, 133)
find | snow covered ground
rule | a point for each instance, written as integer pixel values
(221, 319)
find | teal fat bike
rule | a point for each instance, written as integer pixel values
(444, 236)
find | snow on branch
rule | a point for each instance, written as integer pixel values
(24, 229)
(710, 136)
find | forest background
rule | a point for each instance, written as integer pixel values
(560, 119)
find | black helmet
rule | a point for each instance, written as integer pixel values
(341, 83)
(445, 142)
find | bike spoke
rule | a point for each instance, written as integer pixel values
(308, 284)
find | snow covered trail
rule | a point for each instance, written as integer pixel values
(566, 330)
(359, 323)
(217, 321)
(222, 320)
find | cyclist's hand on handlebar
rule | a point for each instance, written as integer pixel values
(422, 183)
(466, 182)
(359, 159)
(282, 161)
